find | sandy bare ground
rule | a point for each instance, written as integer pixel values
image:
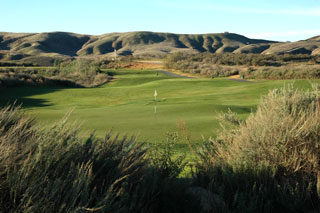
(146, 65)
(234, 76)
(152, 62)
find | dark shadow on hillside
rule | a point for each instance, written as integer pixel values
(21, 96)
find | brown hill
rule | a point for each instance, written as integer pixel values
(40, 46)
(137, 43)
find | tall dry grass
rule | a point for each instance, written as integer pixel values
(284, 133)
(272, 159)
(56, 170)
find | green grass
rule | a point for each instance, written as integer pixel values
(127, 104)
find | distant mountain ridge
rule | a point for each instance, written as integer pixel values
(20, 45)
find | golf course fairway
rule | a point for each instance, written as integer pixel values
(126, 104)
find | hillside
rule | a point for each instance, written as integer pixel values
(40, 46)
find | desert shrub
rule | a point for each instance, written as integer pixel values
(8, 80)
(285, 72)
(84, 72)
(283, 133)
(270, 162)
(56, 170)
(77, 73)
(232, 59)
(15, 131)
(266, 66)
(100, 79)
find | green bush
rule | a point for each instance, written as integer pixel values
(164, 158)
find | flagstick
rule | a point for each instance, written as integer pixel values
(155, 101)
(155, 104)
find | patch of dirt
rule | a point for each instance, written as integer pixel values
(145, 65)
(234, 76)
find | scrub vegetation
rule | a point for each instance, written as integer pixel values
(77, 73)
(266, 163)
(258, 66)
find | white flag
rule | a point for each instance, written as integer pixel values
(155, 93)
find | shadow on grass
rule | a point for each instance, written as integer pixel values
(21, 95)
(243, 109)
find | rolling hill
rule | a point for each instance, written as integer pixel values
(41, 46)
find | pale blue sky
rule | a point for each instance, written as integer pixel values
(268, 19)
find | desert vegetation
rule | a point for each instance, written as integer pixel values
(287, 66)
(292, 71)
(76, 73)
(84, 72)
(57, 170)
(268, 162)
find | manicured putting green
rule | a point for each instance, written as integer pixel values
(127, 103)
